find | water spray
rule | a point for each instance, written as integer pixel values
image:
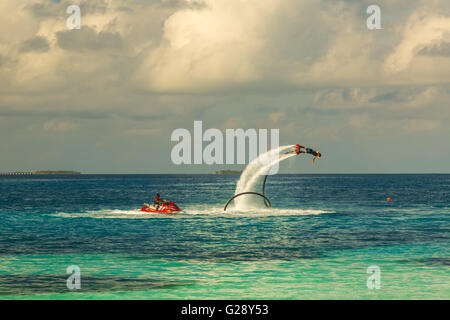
(261, 167)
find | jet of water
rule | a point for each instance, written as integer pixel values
(255, 171)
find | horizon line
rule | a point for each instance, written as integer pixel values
(229, 174)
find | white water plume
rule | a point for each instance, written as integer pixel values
(254, 171)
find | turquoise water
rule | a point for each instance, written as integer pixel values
(317, 241)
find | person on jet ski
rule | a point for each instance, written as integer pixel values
(157, 201)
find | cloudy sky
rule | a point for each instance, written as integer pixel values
(106, 98)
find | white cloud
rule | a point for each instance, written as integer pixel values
(216, 46)
(60, 126)
(352, 98)
(212, 50)
(209, 47)
(421, 30)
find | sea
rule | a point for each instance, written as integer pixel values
(325, 236)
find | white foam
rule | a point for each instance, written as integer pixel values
(108, 214)
(196, 210)
(253, 212)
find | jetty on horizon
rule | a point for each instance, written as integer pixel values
(39, 172)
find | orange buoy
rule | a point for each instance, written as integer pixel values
(388, 199)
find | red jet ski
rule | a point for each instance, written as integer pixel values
(165, 207)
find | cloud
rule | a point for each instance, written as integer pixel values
(217, 46)
(59, 126)
(346, 98)
(87, 39)
(38, 44)
(421, 30)
(440, 49)
(264, 43)
(268, 45)
(401, 98)
(208, 47)
(215, 59)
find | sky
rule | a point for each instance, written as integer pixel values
(105, 98)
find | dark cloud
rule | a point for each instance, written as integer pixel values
(135, 115)
(38, 44)
(390, 96)
(125, 9)
(442, 49)
(4, 112)
(43, 10)
(88, 39)
(50, 9)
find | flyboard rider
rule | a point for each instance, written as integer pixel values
(301, 149)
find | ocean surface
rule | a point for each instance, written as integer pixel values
(317, 241)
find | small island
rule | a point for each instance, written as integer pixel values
(60, 172)
(29, 173)
(228, 172)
